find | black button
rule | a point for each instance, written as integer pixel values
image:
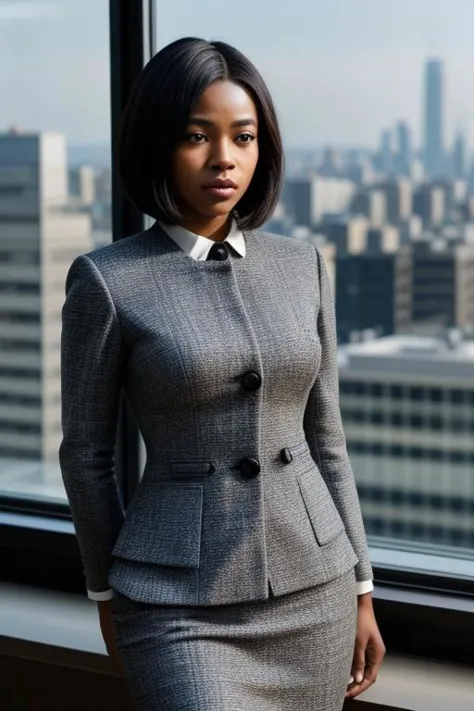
(251, 380)
(250, 467)
(286, 455)
(218, 251)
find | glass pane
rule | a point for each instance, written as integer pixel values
(54, 204)
(380, 176)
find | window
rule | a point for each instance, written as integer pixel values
(416, 483)
(52, 161)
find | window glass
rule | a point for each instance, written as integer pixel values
(379, 138)
(54, 204)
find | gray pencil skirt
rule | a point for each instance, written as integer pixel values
(288, 653)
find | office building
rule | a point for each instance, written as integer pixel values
(373, 292)
(399, 199)
(443, 286)
(382, 240)
(434, 159)
(308, 200)
(429, 203)
(82, 184)
(459, 156)
(347, 233)
(372, 204)
(410, 229)
(386, 152)
(39, 238)
(407, 404)
(404, 152)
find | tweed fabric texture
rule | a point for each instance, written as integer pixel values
(176, 335)
(289, 652)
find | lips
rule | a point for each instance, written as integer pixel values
(221, 189)
(220, 183)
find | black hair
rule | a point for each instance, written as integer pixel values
(156, 116)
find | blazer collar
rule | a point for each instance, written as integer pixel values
(197, 246)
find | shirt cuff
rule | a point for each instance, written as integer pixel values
(365, 586)
(100, 596)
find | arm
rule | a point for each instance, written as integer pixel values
(91, 359)
(325, 435)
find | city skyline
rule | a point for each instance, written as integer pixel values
(338, 72)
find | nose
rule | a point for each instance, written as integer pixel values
(221, 158)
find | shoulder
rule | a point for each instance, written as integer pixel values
(285, 247)
(118, 252)
(108, 265)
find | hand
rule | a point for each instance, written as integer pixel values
(107, 629)
(369, 649)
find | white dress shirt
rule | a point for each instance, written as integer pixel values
(197, 247)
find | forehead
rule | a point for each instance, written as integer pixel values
(224, 99)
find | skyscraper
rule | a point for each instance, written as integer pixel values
(434, 119)
(459, 156)
(404, 148)
(386, 157)
(39, 238)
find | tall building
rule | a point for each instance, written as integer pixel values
(39, 238)
(459, 156)
(372, 204)
(399, 199)
(407, 406)
(330, 166)
(404, 153)
(430, 204)
(383, 240)
(386, 152)
(434, 158)
(348, 234)
(373, 293)
(82, 184)
(443, 287)
(308, 200)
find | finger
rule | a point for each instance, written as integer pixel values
(358, 664)
(370, 677)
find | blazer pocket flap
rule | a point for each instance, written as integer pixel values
(320, 507)
(191, 468)
(163, 525)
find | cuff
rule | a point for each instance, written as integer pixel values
(100, 596)
(365, 586)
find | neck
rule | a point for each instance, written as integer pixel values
(216, 229)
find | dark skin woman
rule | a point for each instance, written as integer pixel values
(200, 149)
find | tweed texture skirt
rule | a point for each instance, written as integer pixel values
(288, 653)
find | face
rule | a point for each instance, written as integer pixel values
(216, 159)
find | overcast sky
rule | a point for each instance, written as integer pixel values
(339, 70)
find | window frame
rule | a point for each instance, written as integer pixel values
(418, 613)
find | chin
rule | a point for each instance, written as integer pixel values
(221, 210)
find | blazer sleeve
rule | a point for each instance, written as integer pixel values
(92, 355)
(325, 434)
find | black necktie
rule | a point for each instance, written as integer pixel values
(218, 251)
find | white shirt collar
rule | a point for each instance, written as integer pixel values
(197, 246)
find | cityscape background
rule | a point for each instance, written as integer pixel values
(392, 212)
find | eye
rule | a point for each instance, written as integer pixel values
(245, 138)
(195, 137)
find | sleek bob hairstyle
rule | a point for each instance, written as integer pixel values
(155, 120)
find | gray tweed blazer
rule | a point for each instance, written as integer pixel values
(206, 526)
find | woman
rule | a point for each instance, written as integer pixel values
(239, 577)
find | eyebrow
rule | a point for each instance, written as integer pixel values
(198, 121)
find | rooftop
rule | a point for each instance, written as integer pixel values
(446, 356)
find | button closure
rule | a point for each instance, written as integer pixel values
(218, 252)
(285, 455)
(249, 467)
(251, 380)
